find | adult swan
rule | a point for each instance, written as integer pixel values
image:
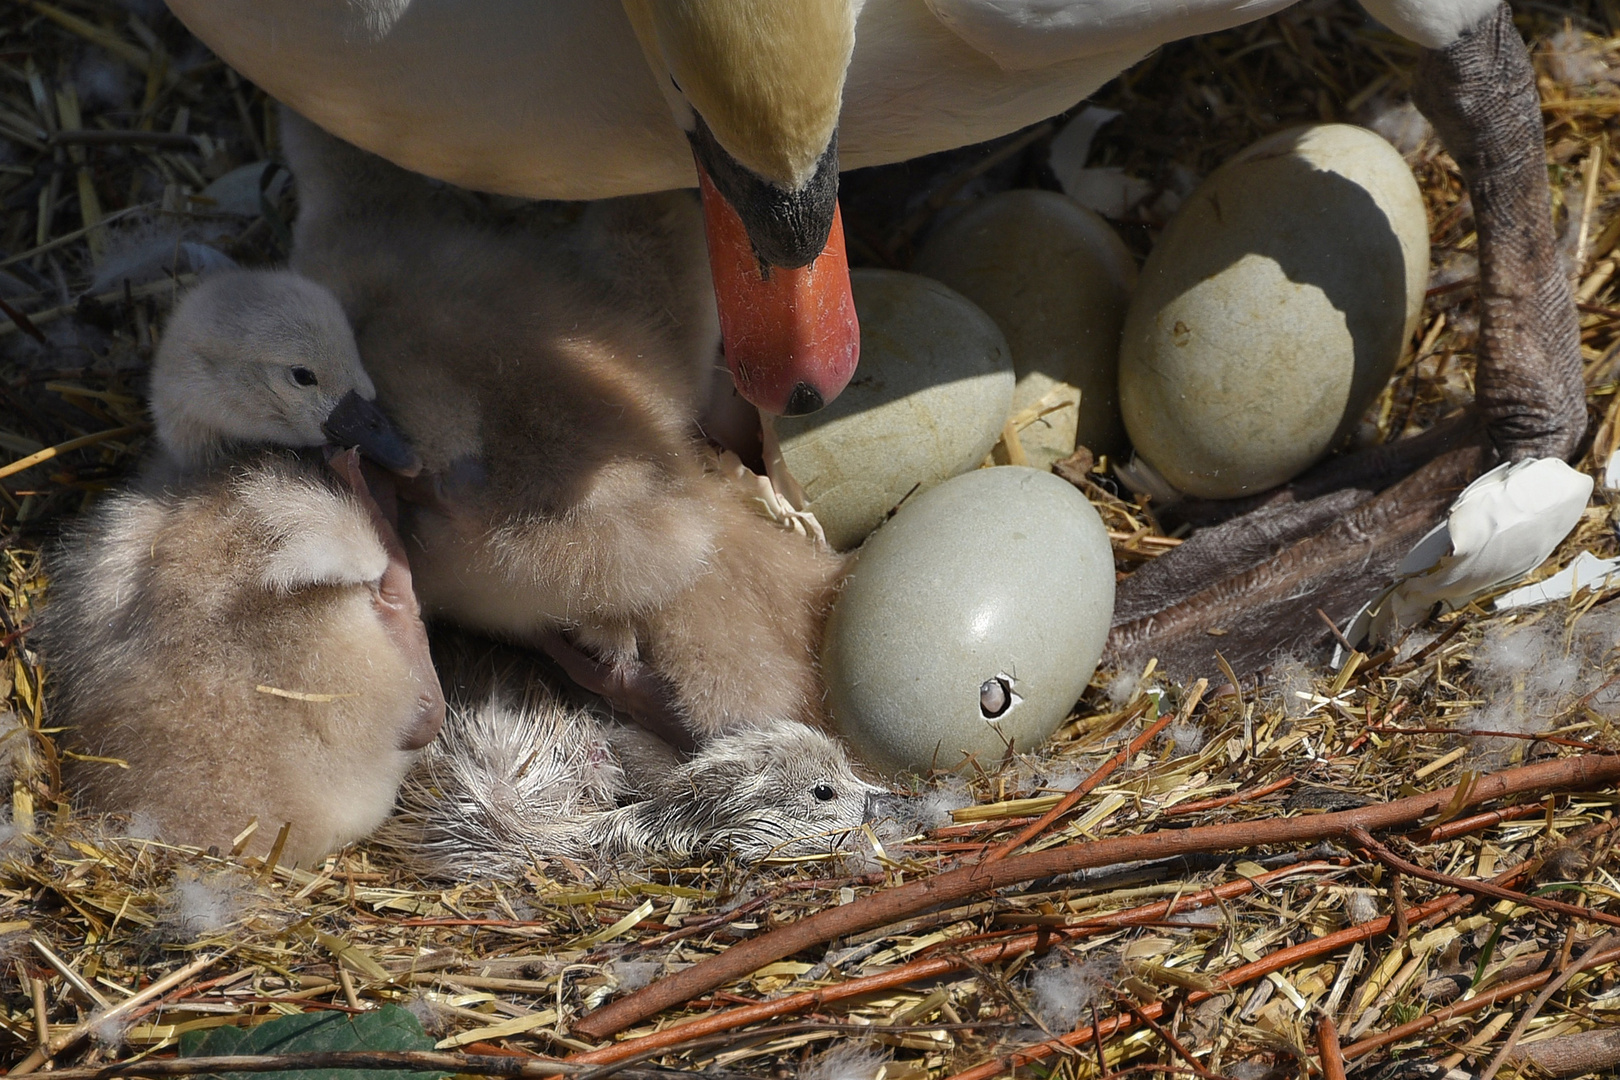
(582, 99)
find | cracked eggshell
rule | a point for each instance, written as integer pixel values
(927, 403)
(973, 618)
(1057, 279)
(1273, 309)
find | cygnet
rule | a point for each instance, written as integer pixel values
(553, 395)
(236, 637)
(519, 776)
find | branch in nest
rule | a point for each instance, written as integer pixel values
(1479, 888)
(1003, 949)
(1586, 772)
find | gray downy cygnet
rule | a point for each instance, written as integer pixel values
(238, 629)
(518, 775)
(552, 381)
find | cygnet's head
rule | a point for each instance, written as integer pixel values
(782, 789)
(265, 357)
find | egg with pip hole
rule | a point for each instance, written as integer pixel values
(970, 623)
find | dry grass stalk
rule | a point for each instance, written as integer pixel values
(114, 123)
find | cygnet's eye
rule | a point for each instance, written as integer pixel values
(824, 792)
(303, 376)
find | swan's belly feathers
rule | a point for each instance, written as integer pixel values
(543, 98)
(554, 98)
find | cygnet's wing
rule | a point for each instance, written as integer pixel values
(223, 640)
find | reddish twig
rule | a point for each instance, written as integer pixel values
(1227, 800)
(1440, 908)
(1097, 1043)
(1104, 771)
(1480, 888)
(1171, 1041)
(1004, 948)
(1238, 976)
(1586, 772)
(1450, 830)
(1328, 1050)
(1529, 1014)
(1464, 1008)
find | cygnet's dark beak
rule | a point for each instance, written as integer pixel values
(356, 422)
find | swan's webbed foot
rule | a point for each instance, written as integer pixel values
(1250, 587)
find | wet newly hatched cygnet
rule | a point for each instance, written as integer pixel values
(553, 395)
(520, 776)
(236, 637)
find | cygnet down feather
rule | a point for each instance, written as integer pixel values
(239, 630)
(518, 776)
(552, 382)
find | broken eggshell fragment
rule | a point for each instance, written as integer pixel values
(1502, 526)
(971, 622)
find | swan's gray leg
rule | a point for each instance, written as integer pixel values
(1270, 607)
(1481, 95)
(1261, 577)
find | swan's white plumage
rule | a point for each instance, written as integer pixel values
(1432, 23)
(558, 99)
(1022, 35)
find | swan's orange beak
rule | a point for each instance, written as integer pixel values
(790, 333)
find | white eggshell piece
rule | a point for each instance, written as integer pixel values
(1057, 279)
(1273, 309)
(928, 402)
(989, 594)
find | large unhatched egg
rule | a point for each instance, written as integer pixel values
(971, 623)
(1273, 309)
(1056, 278)
(927, 402)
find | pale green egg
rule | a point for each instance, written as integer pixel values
(927, 402)
(971, 622)
(1273, 310)
(1056, 278)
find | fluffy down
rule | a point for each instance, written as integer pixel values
(552, 379)
(233, 688)
(516, 779)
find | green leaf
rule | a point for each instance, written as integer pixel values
(387, 1028)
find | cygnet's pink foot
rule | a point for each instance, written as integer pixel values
(1251, 587)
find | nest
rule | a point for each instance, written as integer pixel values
(130, 158)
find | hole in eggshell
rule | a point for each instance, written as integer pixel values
(996, 697)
